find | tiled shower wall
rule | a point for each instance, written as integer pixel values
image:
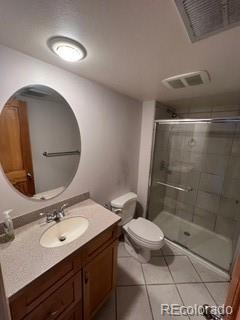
(207, 158)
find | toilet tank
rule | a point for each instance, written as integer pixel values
(125, 206)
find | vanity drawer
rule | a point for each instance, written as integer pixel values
(60, 302)
(75, 314)
(42, 288)
(48, 280)
(100, 243)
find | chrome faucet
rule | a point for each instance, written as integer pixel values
(56, 215)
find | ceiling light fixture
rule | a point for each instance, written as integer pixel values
(67, 49)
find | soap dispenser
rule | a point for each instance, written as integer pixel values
(8, 226)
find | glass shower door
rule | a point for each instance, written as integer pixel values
(195, 186)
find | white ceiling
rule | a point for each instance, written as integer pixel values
(132, 44)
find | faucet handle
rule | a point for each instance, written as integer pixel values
(42, 223)
(63, 206)
(49, 216)
(45, 214)
(61, 210)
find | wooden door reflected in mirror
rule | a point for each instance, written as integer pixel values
(15, 147)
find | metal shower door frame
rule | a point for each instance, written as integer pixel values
(183, 121)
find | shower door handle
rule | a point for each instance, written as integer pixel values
(179, 188)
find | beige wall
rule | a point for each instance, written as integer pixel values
(109, 123)
(58, 121)
(148, 114)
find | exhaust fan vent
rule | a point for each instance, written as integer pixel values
(36, 93)
(204, 18)
(187, 80)
(175, 83)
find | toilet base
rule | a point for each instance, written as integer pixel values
(143, 255)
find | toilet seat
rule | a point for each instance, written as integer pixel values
(145, 233)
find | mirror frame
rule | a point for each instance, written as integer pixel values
(11, 187)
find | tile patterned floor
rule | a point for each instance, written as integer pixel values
(170, 277)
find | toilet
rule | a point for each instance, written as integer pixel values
(141, 236)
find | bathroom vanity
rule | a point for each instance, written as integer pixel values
(57, 267)
(70, 282)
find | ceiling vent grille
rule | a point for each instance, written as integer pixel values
(204, 18)
(187, 80)
(36, 93)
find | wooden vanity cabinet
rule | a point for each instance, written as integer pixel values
(74, 289)
(75, 314)
(99, 279)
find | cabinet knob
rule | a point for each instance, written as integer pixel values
(52, 315)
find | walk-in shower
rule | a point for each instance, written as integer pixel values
(194, 189)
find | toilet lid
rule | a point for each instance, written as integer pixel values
(146, 230)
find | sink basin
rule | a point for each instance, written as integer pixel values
(64, 232)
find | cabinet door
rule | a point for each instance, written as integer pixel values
(99, 280)
(75, 314)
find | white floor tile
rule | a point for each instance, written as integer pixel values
(108, 311)
(218, 291)
(163, 294)
(206, 274)
(156, 271)
(132, 303)
(195, 294)
(182, 269)
(129, 272)
(122, 252)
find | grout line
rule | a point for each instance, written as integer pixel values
(174, 283)
(169, 283)
(146, 285)
(163, 284)
(198, 273)
(180, 297)
(210, 293)
(149, 302)
(143, 274)
(168, 269)
(203, 282)
(131, 285)
(173, 255)
(222, 281)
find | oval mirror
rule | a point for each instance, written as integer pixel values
(39, 142)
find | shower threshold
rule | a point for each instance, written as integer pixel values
(205, 244)
(178, 249)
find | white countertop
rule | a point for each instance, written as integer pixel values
(24, 259)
